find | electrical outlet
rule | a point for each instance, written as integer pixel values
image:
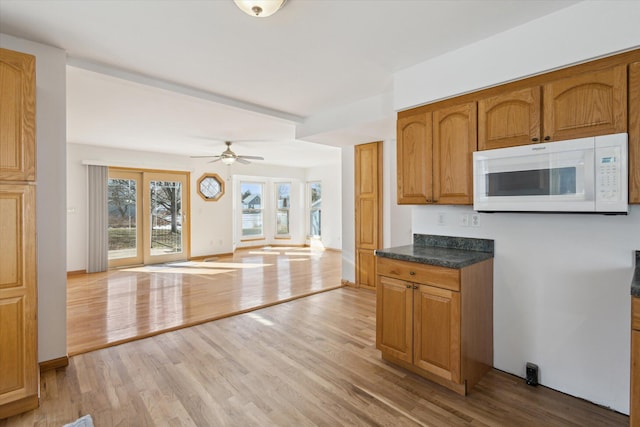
(441, 218)
(464, 220)
(475, 220)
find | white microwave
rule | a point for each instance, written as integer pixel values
(579, 175)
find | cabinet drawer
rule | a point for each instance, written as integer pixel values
(440, 277)
(635, 313)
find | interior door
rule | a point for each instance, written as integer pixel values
(368, 210)
(166, 229)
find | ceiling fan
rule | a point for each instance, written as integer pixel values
(228, 157)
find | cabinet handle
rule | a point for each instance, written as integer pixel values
(534, 139)
(412, 273)
(547, 138)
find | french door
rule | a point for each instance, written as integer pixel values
(147, 217)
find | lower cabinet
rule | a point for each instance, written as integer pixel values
(19, 372)
(635, 363)
(436, 321)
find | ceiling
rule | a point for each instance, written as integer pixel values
(181, 76)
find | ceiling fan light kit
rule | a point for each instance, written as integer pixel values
(259, 8)
(228, 157)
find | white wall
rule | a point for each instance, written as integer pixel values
(561, 295)
(348, 215)
(396, 219)
(212, 225)
(574, 34)
(562, 282)
(50, 194)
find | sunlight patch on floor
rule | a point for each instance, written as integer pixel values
(178, 270)
(216, 264)
(257, 317)
(303, 254)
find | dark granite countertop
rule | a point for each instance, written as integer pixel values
(635, 283)
(443, 251)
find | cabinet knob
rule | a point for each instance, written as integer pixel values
(415, 286)
(408, 286)
(534, 139)
(547, 138)
(412, 273)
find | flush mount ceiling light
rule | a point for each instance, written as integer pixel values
(259, 8)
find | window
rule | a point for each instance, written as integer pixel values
(210, 187)
(283, 204)
(251, 196)
(315, 209)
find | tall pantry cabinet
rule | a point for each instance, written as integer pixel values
(19, 373)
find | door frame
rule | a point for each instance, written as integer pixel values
(143, 214)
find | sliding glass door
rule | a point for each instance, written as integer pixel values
(166, 228)
(125, 209)
(147, 217)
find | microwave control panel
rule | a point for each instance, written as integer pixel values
(608, 174)
(611, 173)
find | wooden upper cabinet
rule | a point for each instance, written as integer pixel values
(414, 152)
(634, 132)
(588, 104)
(454, 141)
(17, 116)
(509, 119)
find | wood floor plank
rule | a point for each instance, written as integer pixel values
(308, 362)
(121, 305)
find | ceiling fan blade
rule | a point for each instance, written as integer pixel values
(202, 157)
(251, 157)
(240, 159)
(215, 160)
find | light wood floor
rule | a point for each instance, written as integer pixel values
(117, 306)
(311, 361)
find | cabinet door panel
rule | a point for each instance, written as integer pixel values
(18, 309)
(589, 104)
(634, 132)
(18, 120)
(414, 159)
(454, 141)
(368, 210)
(437, 332)
(366, 268)
(367, 218)
(509, 119)
(394, 318)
